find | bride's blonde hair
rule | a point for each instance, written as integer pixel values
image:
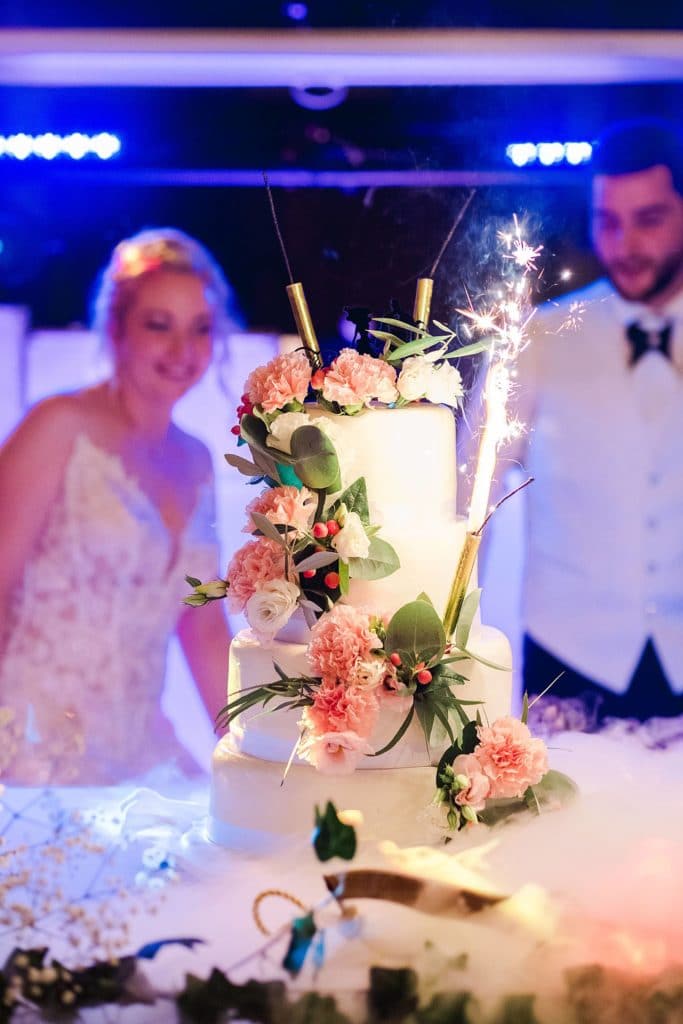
(144, 253)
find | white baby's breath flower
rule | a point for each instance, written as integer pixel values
(282, 428)
(368, 673)
(270, 608)
(352, 541)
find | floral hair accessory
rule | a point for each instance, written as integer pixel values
(131, 259)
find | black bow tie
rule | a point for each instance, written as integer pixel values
(648, 341)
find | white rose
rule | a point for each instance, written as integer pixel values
(352, 541)
(368, 673)
(282, 428)
(414, 378)
(270, 608)
(445, 385)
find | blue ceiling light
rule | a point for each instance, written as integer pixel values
(549, 154)
(49, 146)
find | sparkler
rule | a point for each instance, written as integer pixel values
(505, 323)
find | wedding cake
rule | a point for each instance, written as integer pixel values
(346, 687)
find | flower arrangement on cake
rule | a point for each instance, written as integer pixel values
(313, 539)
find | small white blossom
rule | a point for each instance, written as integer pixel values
(414, 378)
(352, 541)
(445, 385)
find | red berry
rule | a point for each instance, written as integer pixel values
(235, 430)
(245, 396)
(333, 527)
(424, 676)
(332, 580)
(308, 573)
(395, 659)
(320, 530)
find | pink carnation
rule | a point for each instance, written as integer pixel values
(335, 753)
(479, 784)
(282, 380)
(511, 758)
(339, 639)
(355, 379)
(338, 708)
(286, 506)
(259, 561)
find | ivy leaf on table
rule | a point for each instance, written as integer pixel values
(331, 837)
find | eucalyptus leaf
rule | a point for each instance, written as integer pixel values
(392, 322)
(315, 460)
(380, 561)
(412, 348)
(243, 465)
(466, 618)
(317, 560)
(525, 708)
(416, 632)
(469, 350)
(343, 577)
(554, 790)
(425, 597)
(267, 528)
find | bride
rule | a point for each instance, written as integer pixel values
(105, 505)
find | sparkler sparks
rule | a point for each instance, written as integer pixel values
(505, 322)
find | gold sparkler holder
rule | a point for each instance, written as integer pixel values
(463, 574)
(423, 300)
(304, 324)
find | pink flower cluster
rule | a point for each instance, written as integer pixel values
(355, 379)
(505, 763)
(285, 506)
(339, 640)
(336, 727)
(284, 379)
(257, 562)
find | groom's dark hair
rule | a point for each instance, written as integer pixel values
(637, 145)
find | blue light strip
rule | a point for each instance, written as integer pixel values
(549, 154)
(48, 146)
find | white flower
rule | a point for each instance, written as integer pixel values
(352, 541)
(282, 428)
(270, 608)
(414, 378)
(368, 673)
(445, 385)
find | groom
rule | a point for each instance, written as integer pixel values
(603, 404)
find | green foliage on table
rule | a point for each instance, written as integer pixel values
(331, 836)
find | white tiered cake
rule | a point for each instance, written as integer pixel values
(408, 459)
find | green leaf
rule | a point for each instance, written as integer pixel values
(416, 632)
(303, 931)
(518, 1009)
(469, 350)
(343, 577)
(399, 734)
(267, 528)
(392, 322)
(315, 459)
(331, 837)
(466, 618)
(413, 348)
(525, 708)
(451, 1008)
(425, 714)
(386, 336)
(425, 597)
(381, 561)
(355, 497)
(554, 790)
(193, 581)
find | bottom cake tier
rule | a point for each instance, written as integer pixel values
(252, 809)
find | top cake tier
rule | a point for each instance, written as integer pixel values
(408, 459)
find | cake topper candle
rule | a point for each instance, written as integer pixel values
(295, 294)
(423, 301)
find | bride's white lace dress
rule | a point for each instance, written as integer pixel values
(84, 666)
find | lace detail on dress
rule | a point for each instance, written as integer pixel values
(89, 626)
